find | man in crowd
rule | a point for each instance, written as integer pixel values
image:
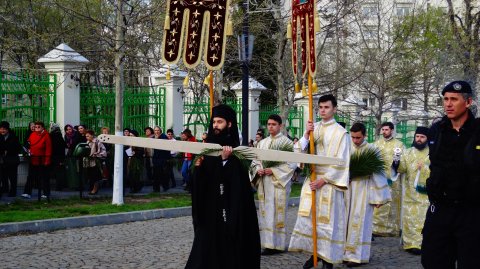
(258, 138)
(331, 181)
(386, 219)
(451, 230)
(171, 137)
(363, 195)
(414, 164)
(9, 150)
(223, 210)
(273, 183)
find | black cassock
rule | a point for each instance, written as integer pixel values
(224, 217)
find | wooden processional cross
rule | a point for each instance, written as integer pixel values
(199, 148)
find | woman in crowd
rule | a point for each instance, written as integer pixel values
(93, 163)
(72, 138)
(149, 154)
(135, 166)
(57, 170)
(108, 172)
(40, 159)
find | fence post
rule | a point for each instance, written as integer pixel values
(66, 64)
(255, 89)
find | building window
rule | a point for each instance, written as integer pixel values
(400, 103)
(439, 101)
(4, 99)
(403, 11)
(371, 102)
(370, 33)
(370, 11)
(146, 81)
(404, 103)
(18, 114)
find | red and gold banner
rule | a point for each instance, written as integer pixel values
(195, 28)
(303, 17)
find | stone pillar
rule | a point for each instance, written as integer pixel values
(304, 103)
(65, 63)
(254, 111)
(173, 100)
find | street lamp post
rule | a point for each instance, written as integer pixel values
(245, 45)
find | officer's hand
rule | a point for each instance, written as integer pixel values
(268, 171)
(378, 205)
(261, 172)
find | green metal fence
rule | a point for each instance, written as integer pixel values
(27, 97)
(295, 118)
(142, 107)
(405, 131)
(196, 112)
(369, 122)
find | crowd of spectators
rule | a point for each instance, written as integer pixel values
(77, 159)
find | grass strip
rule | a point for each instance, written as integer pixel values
(21, 210)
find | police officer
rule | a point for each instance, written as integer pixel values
(451, 234)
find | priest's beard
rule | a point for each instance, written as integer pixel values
(221, 136)
(419, 146)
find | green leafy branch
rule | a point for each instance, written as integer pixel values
(365, 163)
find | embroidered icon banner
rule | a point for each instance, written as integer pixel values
(196, 29)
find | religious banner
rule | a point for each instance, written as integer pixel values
(196, 28)
(304, 17)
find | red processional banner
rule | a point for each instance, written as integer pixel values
(303, 22)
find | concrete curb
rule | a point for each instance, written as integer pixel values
(97, 220)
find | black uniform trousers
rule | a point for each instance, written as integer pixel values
(451, 235)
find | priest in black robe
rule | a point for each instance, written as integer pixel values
(224, 214)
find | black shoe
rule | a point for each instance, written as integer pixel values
(309, 263)
(327, 265)
(414, 251)
(269, 251)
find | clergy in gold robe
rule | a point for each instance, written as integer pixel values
(415, 165)
(273, 183)
(331, 140)
(386, 219)
(363, 195)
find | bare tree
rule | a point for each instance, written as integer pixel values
(465, 25)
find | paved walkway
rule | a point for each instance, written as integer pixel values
(162, 243)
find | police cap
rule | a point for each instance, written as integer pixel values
(458, 86)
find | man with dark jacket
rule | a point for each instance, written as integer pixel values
(9, 150)
(451, 234)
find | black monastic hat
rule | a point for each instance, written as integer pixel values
(422, 130)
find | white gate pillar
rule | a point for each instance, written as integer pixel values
(66, 64)
(254, 90)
